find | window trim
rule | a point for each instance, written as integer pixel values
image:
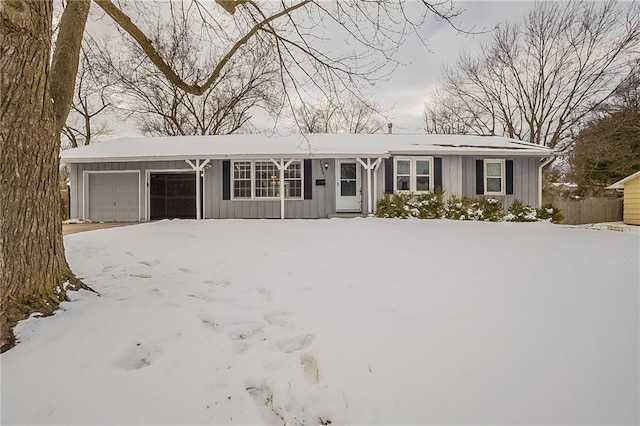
(253, 196)
(502, 175)
(413, 175)
(233, 180)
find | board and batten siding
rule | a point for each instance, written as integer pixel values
(78, 192)
(321, 204)
(631, 215)
(525, 179)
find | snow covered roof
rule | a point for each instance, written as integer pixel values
(620, 184)
(298, 146)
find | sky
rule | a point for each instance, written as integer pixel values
(402, 95)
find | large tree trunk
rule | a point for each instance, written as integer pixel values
(33, 268)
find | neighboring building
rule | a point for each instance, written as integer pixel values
(240, 176)
(631, 201)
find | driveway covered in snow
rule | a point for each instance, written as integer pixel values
(342, 320)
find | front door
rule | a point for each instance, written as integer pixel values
(348, 186)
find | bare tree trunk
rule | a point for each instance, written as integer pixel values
(33, 267)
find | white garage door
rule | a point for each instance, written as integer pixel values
(114, 197)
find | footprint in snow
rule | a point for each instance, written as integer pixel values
(275, 319)
(218, 283)
(149, 262)
(138, 356)
(244, 336)
(265, 293)
(205, 297)
(297, 343)
(145, 276)
(263, 397)
(311, 372)
(212, 324)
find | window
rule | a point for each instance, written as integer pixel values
(494, 177)
(242, 179)
(267, 180)
(261, 179)
(413, 174)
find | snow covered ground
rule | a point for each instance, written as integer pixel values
(368, 321)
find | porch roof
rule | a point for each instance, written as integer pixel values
(258, 146)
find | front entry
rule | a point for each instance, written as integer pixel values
(348, 190)
(173, 196)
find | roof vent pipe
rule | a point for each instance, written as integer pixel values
(390, 126)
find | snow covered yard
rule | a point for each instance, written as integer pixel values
(367, 321)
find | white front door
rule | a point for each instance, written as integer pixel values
(348, 188)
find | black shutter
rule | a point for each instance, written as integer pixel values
(479, 177)
(509, 173)
(308, 179)
(226, 179)
(388, 175)
(437, 174)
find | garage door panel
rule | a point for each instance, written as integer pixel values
(114, 197)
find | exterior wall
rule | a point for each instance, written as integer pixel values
(79, 193)
(525, 179)
(458, 178)
(452, 175)
(322, 202)
(632, 202)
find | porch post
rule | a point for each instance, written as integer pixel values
(282, 166)
(198, 168)
(368, 166)
(369, 208)
(281, 188)
(376, 165)
(198, 191)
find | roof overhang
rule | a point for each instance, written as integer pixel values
(322, 146)
(620, 183)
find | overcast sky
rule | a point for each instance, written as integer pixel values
(407, 90)
(404, 93)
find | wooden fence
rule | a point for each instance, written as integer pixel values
(590, 210)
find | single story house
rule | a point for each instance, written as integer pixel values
(631, 200)
(296, 176)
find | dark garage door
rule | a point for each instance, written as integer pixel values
(173, 196)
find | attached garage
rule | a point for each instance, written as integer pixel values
(112, 196)
(172, 196)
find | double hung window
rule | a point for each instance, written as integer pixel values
(413, 174)
(494, 177)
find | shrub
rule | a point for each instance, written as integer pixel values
(550, 213)
(519, 212)
(429, 206)
(489, 209)
(456, 208)
(474, 209)
(403, 206)
(394, 205)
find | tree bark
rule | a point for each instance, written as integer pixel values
(33, 268)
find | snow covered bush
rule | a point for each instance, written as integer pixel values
(394, 205)
(458, 208)
(465, 208)
(520, 212)
(550, 213)
(429, 206)
(403, 206)
(489, 209)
